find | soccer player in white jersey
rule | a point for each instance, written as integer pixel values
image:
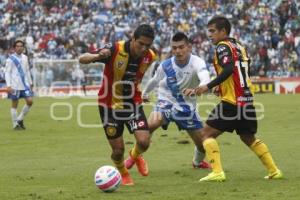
(19, 83)
(180, 71)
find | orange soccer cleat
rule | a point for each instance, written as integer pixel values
(140, 162)
(126, 179)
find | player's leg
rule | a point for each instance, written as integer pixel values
(263, 153)
(135, 154)
(247, 129)
(114, 133)
(191, 122)
(199, 153)
(24, 111)
(217, 122)
(117, 156)
(155, 120)
(139, 127)
(212, 152)
(14, 114)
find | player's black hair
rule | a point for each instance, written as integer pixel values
(18, 41)
(221, 22)
(144, 30)
(179, 36)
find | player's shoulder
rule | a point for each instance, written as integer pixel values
(167, 62)
(152, 53)
(197, 61)
(223, 46)
(196, 58)
(24, 56)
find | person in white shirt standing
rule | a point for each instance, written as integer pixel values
(19, 83)
(172, 76)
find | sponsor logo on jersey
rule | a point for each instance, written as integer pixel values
(120, 64)
(146, 60)
(141, 124)
(225, 60)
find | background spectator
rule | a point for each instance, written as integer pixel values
(64, 29)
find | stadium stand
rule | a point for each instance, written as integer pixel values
(64, 29)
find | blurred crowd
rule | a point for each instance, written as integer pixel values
(63, 29)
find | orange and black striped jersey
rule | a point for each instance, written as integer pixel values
(237, 88)
(122, 77)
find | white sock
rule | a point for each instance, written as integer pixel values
(198, 156)
(13, 112)
(24, 111)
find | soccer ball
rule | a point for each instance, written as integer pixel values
(108, 178)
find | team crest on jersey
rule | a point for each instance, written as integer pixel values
(111, 130)
(221, 48)
(120, 64)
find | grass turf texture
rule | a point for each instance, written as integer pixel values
(57, 159)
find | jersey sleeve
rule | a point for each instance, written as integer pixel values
(224, 56)
(112, 50)
(202, 72)
(226, 61)
(152, 83)
(28, 74)
(8, 68)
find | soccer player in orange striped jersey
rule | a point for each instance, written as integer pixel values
(119, 96)
(236, 110)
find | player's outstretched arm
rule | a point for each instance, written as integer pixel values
(188, 91)
(87, 58)
(151, 84)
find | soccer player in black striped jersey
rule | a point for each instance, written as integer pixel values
(236, 110)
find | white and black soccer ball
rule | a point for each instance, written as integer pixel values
(108, 178)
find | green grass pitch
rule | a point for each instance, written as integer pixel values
(56, 158)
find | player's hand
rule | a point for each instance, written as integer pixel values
(104, 53)
(201, 89)
(145, 98)
(216, 91)
(9, 90)
(188, 92)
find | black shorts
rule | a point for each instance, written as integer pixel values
(228, 117)
(114, 120)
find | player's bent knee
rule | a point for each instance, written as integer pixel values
(30, 103)
(143, 144)
(117, 153)
(248, 139)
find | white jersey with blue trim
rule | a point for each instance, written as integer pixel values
(12, 76)
(191, 75)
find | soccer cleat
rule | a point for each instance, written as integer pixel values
(276, 175)
(129, 162)
(21, 124)
(141, 164)
(202, 165)
(17, 127)
(126, 179)
(217, 177)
